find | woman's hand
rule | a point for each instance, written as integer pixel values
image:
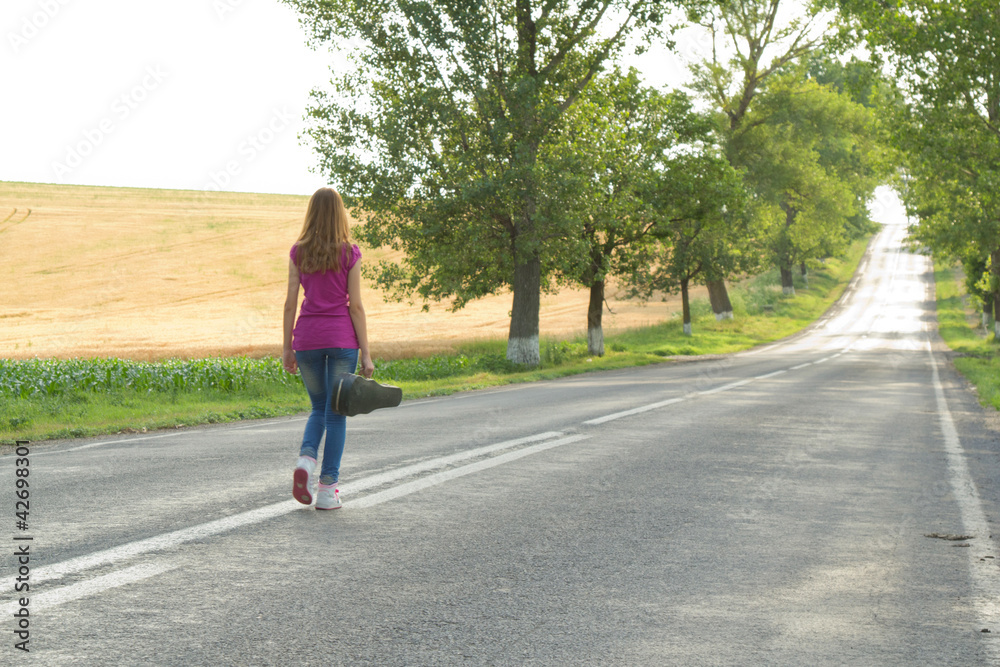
(367, 366)
(289, 362)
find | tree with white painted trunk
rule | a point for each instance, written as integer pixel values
(980, 281)
(435, 133)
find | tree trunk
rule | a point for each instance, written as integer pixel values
(787, 286)
(805, 274)
(995, 269)
(522, 341)
(785, 254)
(996, 316)
(686, 307)
(595, 311)
(719, 297)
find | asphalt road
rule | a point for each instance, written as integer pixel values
(770, 507)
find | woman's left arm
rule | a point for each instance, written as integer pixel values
(358, 318)
(291, 303)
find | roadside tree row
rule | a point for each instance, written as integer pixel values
(945, 60)
(503, 145)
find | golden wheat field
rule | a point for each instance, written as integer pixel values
(151, 274)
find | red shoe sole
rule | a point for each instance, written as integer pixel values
(300, 486)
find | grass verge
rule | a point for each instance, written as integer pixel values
(976, 350)
(46, 399)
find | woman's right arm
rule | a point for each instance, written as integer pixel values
(357, 310)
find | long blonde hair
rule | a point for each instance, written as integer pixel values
(325, 233)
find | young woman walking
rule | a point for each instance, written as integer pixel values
(326, 340)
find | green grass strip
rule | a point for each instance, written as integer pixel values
(976, 350)
(46, 399)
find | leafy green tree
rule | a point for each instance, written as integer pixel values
(437, 129)
(980, 281)
(865, 84)
(951, 221)
(814, 155)
(752, 40)
(945, 59)
(616, 146)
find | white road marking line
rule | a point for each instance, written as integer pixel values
(672, 401)
(64, 594)
(633, 411)
(109, 442)
(164, 541)
(269, 424)
(440, 462)
(795, 368)
(225, 524)
(726, 387)
(459, 396)
(824, 359)
(444, 476)
(986, 593)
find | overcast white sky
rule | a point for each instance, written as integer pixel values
(159, 94)
(191, 94)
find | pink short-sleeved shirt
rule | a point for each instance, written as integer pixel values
(324, 319)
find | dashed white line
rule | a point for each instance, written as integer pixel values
(444, 476)
(633, 411)
(707, 392)
(726, 387)
(168, 540)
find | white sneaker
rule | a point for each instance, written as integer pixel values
(328, 497)
(302, 480)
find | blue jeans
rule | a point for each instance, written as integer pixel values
(318, 369)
